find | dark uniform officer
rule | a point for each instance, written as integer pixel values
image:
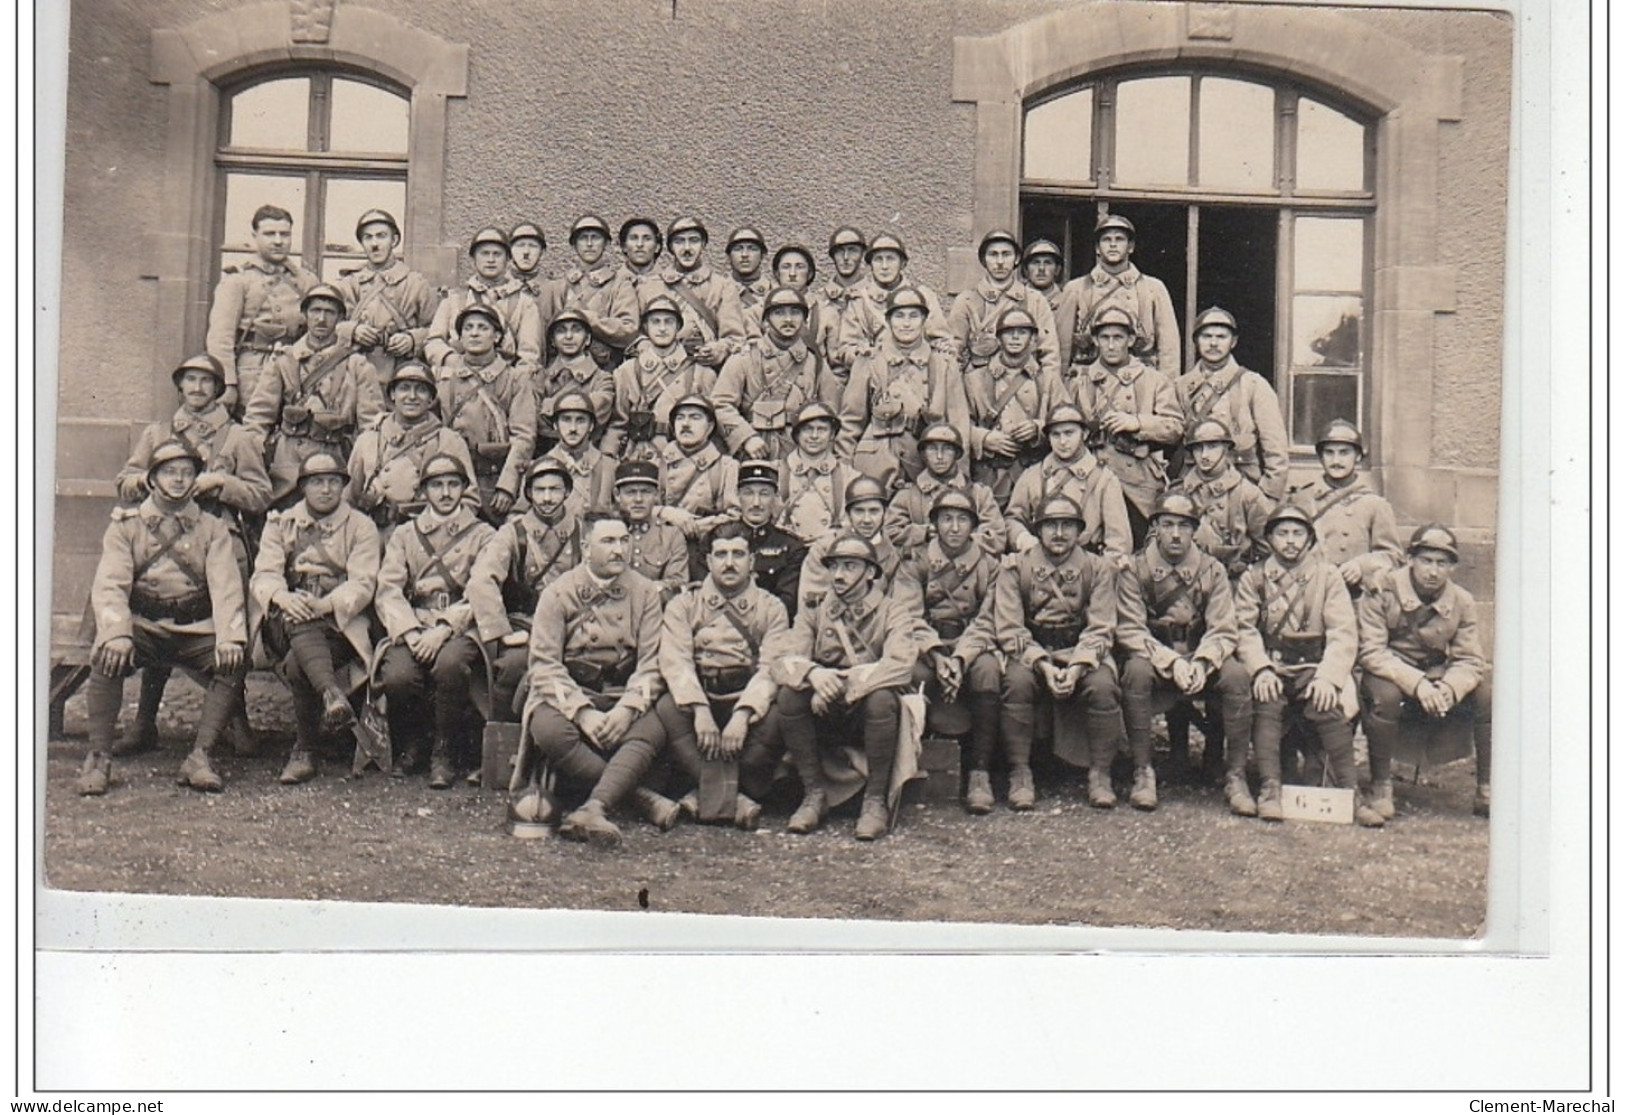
(764, 386)
(777, 554)
(167, 592)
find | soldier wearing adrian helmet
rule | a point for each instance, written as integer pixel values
(699, 485)
(525, 322)
(592, 472)
(863, 331)
(746, 250)
(256, 307)
(386, 465)
(713, 326)
(1354, 525)
(1070, 470)
(593, 286)
(1041, 267)
(814, 479)
(391, 306)
(311, 595)
(167, 592)
(836, 305)
(657, 372)
(1009, 399)
(863, 515)
(490, 403)
(1115, 283)
(910, 521)
(976, 313)
(1232, 509)
(572, 370)
(1219, 388)
(764, 386)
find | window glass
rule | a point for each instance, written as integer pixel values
(272, 114)
(1236, 135)
(1328, 253)
(367, 118)
(346, 199)
(1325, 331)
(245, 193)
(1153, 132)
(1317, 398)
(1331, 149)
(1058, 143)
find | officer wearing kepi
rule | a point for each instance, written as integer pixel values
(777, 554)
(257, 306)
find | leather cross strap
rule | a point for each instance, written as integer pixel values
(437, 558)
(430, 430)
(1293, 600)
(318, 370)
(751, 640)
(380, 293)
(166, 549)
(699, 307)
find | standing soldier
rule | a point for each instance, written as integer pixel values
(1054, 612)
(571, 370)
(746, 250)
(1116, 283)
(713, 323)
(528, 553)
(591, 286)
(910, 518)
(313, 585)
(793, 266)
(490, 403)
(256, 306)
(491, 285)
(863, 516)
(1423, 668)
(776, 553)
(592, 473)
(1233, 511)
(836, 306)
(315, 397)
(947, 583)
(1041, 266)
(1354, 525)
(391, 305)
(654, 550)
(849, 656)
(594, 681)
(717, 644)
(1218, 387)
(813, 484)
(526, 243)
(1177, 635)
(657, 372)
(1009, 402)
(863, 332)
(386, 466)
(431, 655)
(764, 386)
(973, 321)
(1070, 470)
(1297, 642)
(167, 592)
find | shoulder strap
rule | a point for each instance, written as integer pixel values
(1293, 601)
(745, 633)
(196, 576)
(699, 307)
(437, 558)
(319, 370)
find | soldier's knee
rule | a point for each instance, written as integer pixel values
(399, 671)
(1233, 680)
(983, 675)
(1101, 692)
(1138, 677)
(1381, 698)
(794, 702)
(881, 703)
(923, 673)
(1020, 685)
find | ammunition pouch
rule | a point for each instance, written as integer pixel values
(194, 607)
(598, 676)
(1059, 637)
(725, 683)
(436, 601)
(316, 584)
(950, 629)
(1298, 650)
(1181, 637)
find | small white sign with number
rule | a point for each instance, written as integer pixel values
(1318, 803)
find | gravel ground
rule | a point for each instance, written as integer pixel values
(1189, 865)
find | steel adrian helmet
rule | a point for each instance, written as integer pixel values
(323, 464)
(1209, 430)
(781, 296)
(627, 226)
(202, 362)
(906, 297)
(696, 402)
(1111, 222)
(1340, 431)
(796, 250)
(592, 222)
(524, 230)
(744, 235)
(325, 292)
(846, 234)
(1112, 316)
(1176, 505)
(1015, 318)
(814, 412)
(952, 499)
(376, 217)
(1434, 536)
(661, 303)
(488, 235)
(885, 242)
(852, 546)
(1058, 509)
(488, 312)
(863, 489)
(548, 465)
(570, 314)
(1041, 248)
(577, 403)
(1064, 414)
(1290, 513)
(1213, 315)
(409, 372)
(688, 224)
(945, 434)
(172, 451)
(443, 464)
(998, 236)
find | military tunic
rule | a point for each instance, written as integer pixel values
(1002, 397)
(871, 638)
(704, 654)
(1247, 405)
(1404, 641)
(227, 450)
(813, 493)
(425, 572)
(760, 390)
(751, 293)
(833, 309)
(337, 389)
(1166, 611)
(394, 299)
(334, 558)
(975, 316)
(710, 303)
(492, 406)
(1144, 299)
(1234, 513)
(1062, 610)
(908, 517)
(703, 483)
(577, 373)
(592, 478)
(611, 627)
(892, 395)
(660, 553)
(387, 464)
(863, 329)
(189, 586)
(610, 305)
(1298, 622)
(947, 592)
(523, 324)
(1353, 525)
(815, 578)
(255, 309)
(647, 386)
(1088, 484)
(1134, 458)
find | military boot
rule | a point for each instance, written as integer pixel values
(1481, 800)
(1364, 815)
(142, 736)
(300, 768)
(1021, 788)
(1101, 794)
(747, 813)
(810, 813)
(198, 774)
(874, 820)
(243, 740)
(441, 773)
(1269, 801)
(337, 715)
(589, 825)
(95, 774)
(410, 759)
(1144, 794)
(1382, 798)
(659, 810)
(979, 793)
(1239, 796)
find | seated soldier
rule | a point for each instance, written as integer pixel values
(594, 681)
(909, 523)
(766, 383)
(1232, 509)
(814, 477)
(591, 285)
(313, 396)
(489, 402)
(1009, 399)
(431, 654)
(718, 639)
(313, 583)
(524, 317)
(592, 473)
(1354, 526)
(777, 554)
(1423, 668)
(528, 553)
(572, 371)
(1053, 614)
(386, 466)
(1070, 470)
(1176, 636)
(657, 551)
(1297, 642)
(865, 515)
(699, 486)
(658, 372)
(946, 583)
(167, 592)
(849, 656)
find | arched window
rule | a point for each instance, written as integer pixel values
(1251, 194)
(324, 144)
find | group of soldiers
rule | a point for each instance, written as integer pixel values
(694, 530)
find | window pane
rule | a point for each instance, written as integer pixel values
(245, 193)
(1325, 331)
(367, 118)
(1236, 135)
(274, 114)
(1331, 149)
(1319, 398)
(1058, 143)
(1153, 132)
(1328, 253)
(347, 199)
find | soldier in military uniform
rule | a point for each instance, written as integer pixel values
(1070, 470)
(1041, 266)
(699, 485)
(257, 306)
(572, 370)
(592, 286)
(835, 307)
(657, 372)
(764, 385)
(973, 321)
(1217, 387)
(863, 331)
(813, 483)
(594, 682)
(849, 656)
(745, 251)
(713, 322)
(431, 654)
(311, 593)
(315, 397)
(776, 553)
(947, 583)
(387, 462)
(1233, 511)
(896, 391)
(1009, 400)
(528, 553)
(1176, 635)
(909, 522)
(592, 473)
(1297, 641)
(525, 321)
(864, 516)
(391, 306)
(1053, 615)
(1423, 669)
(654, 549)
(1354, 525)
(794, 267)
(167, 592)
(490, 403)
(716, 645)
(526, 244)
(1115, 282)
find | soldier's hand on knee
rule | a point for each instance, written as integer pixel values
(1432, 697)
(827, 684)
(613, 728)
(589, 721)
(1199, 677)
(949, 672)
(1322, 695)
(732, 741)
(228, 658)
(819, 705)
(705, 732)
(113, 658)
(1267, 687)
